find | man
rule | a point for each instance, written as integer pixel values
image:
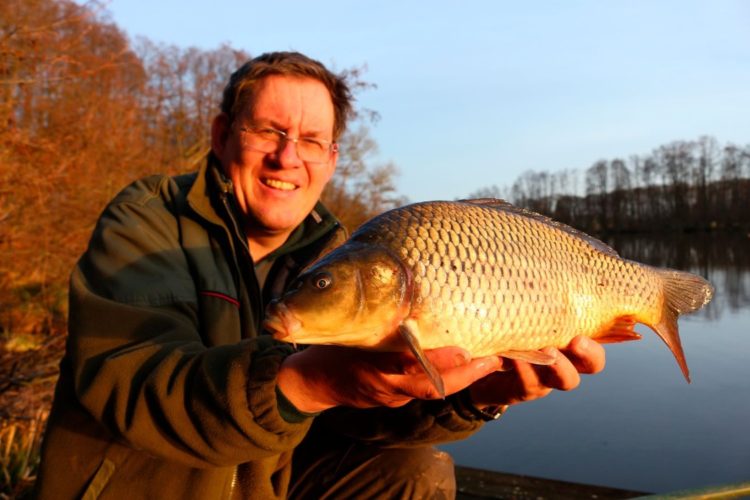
(169, 389)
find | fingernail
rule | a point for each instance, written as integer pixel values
(489, 363)
(462, 357)
(584, 343)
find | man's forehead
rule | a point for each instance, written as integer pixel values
(283, 97)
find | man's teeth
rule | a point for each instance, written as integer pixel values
(277, 184)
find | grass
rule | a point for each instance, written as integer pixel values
(28, 373)
(19, 455)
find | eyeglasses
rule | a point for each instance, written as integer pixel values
(270, 140)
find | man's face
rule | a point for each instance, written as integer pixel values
(276, 191)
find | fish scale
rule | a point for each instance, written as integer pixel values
(483, 275)
(528, 281)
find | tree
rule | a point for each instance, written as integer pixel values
(85, 114)
(620, 197)
(676, 187)
(360, 190)
(597, 188)
(703, 173)
(69, 82)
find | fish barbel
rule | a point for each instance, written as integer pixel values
(483, 275)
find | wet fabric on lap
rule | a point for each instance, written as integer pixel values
(351, 469)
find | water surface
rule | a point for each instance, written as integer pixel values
(639, 425)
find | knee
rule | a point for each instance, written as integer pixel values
(422, 472)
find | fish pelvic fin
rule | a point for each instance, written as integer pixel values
(683, 293)
(409, 330)
(533, 357)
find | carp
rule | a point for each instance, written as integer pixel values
(483, 275)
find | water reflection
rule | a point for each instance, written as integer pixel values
(723, 259)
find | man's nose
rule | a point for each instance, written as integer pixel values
(287, 154)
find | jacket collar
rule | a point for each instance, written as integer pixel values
(210, 183)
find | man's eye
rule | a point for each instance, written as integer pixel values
(312, 143)
(268, 133)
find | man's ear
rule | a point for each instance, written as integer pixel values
(220, 129)
(334, 158)
(333, 161)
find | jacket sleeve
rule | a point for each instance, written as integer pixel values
(415, 424)
(140, 365)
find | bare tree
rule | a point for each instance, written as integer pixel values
(620, 196)
(597, 189)
(360, 189)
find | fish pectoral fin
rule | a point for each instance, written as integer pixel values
(533, 357)
(620, 331)
(409, 331)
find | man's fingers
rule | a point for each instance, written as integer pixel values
(403, 363)
(455, 378)
(588, 356)
(446, 358)
(562, 375)
(460, 377)
(528, 382)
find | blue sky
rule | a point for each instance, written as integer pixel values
(475, 94)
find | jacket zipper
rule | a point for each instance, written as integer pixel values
(233, 484)
(224, 195)
(239, 235)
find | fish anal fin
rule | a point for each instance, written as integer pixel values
(620, 331)
(533, 357)
(409, 331)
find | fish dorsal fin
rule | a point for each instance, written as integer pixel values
(525, 212)
(490, 202)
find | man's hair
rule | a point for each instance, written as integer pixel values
(240, 91)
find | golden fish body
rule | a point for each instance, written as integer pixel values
(485, 276)
(494, 280)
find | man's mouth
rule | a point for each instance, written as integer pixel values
(277, 184)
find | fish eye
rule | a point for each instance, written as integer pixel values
(321, 281)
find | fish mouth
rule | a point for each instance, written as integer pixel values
(281, 322)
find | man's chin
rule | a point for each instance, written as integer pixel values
(276, 223)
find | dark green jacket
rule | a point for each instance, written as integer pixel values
(168, 388)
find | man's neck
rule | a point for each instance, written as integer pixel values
(262, 244)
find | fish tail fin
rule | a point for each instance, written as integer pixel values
(683, 293)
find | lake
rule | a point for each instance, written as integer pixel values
(638, 425)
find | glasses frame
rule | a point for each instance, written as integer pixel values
(330, 146)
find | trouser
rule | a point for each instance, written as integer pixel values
(347, 469)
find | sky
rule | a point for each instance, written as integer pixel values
(472, 94)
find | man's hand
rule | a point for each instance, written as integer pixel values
(519, 381)
(321, 377)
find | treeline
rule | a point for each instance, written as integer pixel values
(85, 111)
(681, 186)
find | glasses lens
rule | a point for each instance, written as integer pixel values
(263, 140)
(268, 140)
(312, 150)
